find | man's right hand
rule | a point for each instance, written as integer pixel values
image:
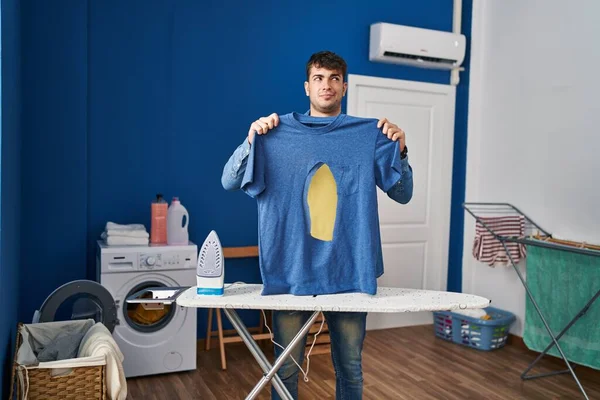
(262, 126)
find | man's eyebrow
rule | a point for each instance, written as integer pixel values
(331, 76)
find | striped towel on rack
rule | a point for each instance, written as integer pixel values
(488, 249)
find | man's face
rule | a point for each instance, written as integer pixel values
(325, 89)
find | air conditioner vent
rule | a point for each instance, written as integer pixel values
(420, 58)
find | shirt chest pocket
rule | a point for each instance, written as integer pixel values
(347, 179)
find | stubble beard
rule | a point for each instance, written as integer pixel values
(326, 108)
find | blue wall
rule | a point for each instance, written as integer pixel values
(10, 186)
(127, 99)
(54, 169)
(459, 171)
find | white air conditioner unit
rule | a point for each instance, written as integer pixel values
(425, 48)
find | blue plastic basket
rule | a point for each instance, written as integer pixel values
(477, 333)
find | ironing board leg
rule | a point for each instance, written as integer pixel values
(539, 312)
(270, 371)
(285, 353)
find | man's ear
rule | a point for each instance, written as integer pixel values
(345, 88)
(306, 88)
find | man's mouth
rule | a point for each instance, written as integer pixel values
(327, 96)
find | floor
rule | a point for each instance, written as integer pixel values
(401, 363)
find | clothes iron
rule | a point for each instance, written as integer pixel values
(210, 272)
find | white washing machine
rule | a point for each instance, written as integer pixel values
(152, 341)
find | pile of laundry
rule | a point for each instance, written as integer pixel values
(125, 235)
(474, 313)
(60, 346)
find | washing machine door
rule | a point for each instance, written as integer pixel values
(141, 322)
(80, 299)
(146, 315)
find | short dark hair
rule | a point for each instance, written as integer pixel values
(328, 60)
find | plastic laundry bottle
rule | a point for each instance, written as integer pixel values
(158, 220)
(177, 228)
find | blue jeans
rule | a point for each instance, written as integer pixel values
(347, 332)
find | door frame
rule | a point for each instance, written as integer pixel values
(442, 214)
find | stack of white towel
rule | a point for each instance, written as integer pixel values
(124, 235)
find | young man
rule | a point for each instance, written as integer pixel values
(320, 219)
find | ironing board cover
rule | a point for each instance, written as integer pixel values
(387, 300)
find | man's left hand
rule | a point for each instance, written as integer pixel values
(393, 132)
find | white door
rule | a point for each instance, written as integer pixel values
(414, 236)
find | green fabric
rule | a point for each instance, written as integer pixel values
(562, 283)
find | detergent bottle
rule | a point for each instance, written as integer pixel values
(158, 220)
(177, 228)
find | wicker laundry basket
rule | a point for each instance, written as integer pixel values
(78, 383)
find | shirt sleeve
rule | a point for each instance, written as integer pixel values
(402, 191)
(388, 168)
(235, 167)
(253, 182)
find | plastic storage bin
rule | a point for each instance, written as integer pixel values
(472, 332)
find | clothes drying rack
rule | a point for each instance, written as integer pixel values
(534, 235)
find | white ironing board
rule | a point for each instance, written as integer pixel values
(387, 300)
(248, 296)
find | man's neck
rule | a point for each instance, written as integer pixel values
(315, 113)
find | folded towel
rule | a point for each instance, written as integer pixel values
(126, 241)
(99, 341)
(120, 227)
(123, 233)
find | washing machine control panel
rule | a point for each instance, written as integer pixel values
(146, 258)
(150, 261)
(167, 260)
